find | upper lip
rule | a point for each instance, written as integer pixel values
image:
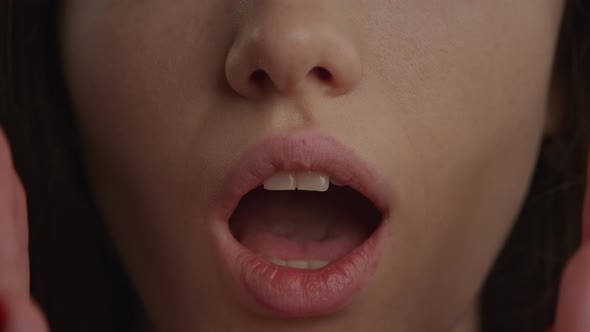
(301, 152)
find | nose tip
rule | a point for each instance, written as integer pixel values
(292, 57)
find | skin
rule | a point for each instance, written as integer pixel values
(460, 104)
(447, 101)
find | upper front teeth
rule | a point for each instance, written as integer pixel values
(288, 180)
(281, 181)
(312, 181)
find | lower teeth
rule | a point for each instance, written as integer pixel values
(301, 264)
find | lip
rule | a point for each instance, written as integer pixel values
(281, 290)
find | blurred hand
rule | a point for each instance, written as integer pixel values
(573, 310)
(18, 313)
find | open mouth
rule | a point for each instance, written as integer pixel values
(301, 220)
(300, 225)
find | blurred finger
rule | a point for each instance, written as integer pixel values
(13, 230)
(22, 315)
(573, 310)
(586, 210)
(22, 230)
(19, 312)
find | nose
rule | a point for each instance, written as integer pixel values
(292, 47)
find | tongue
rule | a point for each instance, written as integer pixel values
(300, 225)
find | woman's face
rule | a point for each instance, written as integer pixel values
(433, 110)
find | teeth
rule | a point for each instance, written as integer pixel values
(316, 265)
(312, 181)
(301, 264)
(298, 264)
(281, 181)
(278, 262)
(288, 180)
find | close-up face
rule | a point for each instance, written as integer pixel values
(410, 129)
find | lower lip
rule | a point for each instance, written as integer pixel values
(289, 292)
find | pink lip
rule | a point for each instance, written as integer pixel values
(286, 291)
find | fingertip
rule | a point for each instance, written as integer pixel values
(5, 151)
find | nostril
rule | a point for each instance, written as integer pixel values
(258, 77)
(322, 74)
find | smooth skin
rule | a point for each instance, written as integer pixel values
(446, 100)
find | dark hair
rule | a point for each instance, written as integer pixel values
(521, 291)
(76, 275)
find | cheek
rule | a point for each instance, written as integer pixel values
(141, 85)
(466, 95)
(466, 110)
(135, 76)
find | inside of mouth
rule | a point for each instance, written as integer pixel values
(304, 229)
